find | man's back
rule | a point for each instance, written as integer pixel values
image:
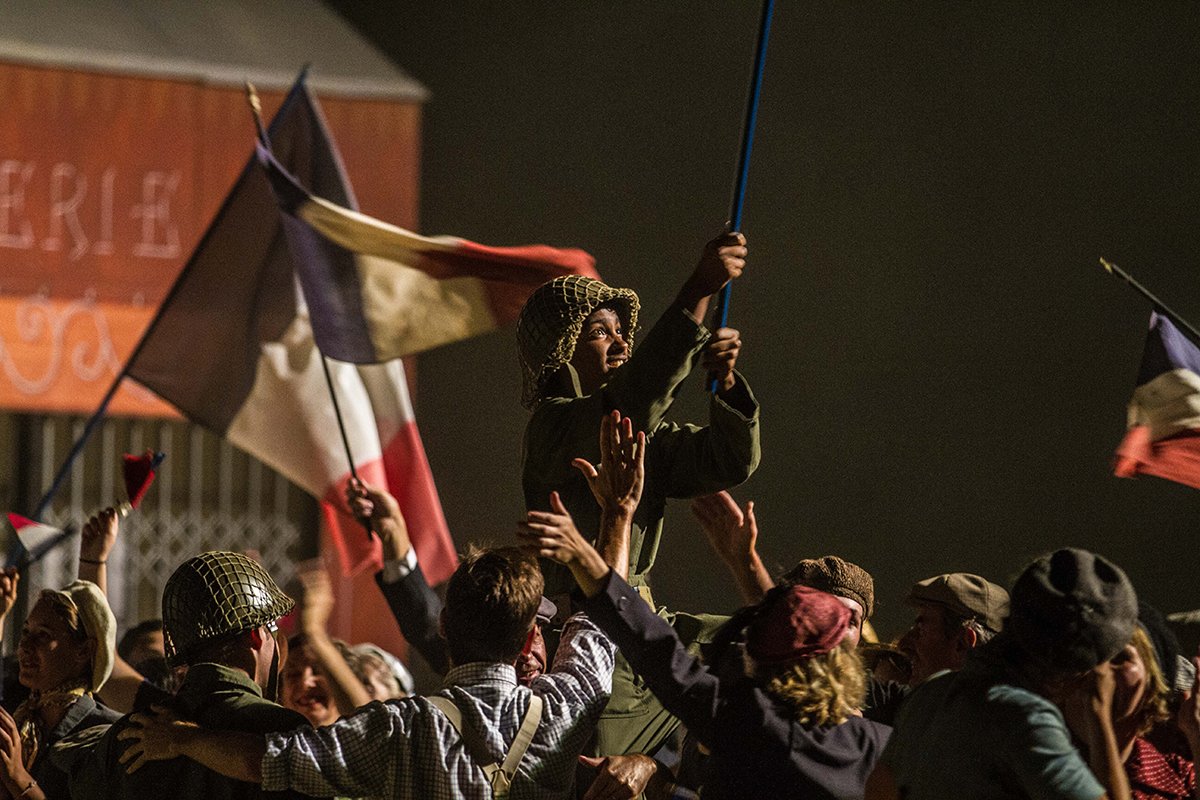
(409, 749)
(212, 695)
(969, 734)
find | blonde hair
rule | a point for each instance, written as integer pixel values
(1154, 703)
(822, 690)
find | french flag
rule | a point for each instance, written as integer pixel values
(1163, 436)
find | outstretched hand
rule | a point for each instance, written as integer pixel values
(617, 482)
(732, 532)
(552, 534)
(316, 605)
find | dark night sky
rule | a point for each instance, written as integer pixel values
(943, 367)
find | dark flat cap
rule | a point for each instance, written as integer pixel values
(1073, 609)
(966, 595)
(837, 577)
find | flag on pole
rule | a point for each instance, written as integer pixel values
(1163, 436)
(232, 347)
(34, 540)
(377, 292)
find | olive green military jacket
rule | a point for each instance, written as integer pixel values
(681, 460)
(213, 695)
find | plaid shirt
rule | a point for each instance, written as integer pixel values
(408, 749)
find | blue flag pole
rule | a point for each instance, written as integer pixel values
(743, 167)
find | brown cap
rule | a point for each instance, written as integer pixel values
(968, 596)
(836, 576)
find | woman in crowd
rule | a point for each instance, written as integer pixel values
(65, 654)
(1140, 702)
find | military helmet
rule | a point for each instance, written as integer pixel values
(551, 320)
(216, 595)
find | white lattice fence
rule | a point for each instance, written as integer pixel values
(208, 496)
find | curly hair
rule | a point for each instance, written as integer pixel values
(823, 690)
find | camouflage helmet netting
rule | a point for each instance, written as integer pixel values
(215, 595)
(551, 321)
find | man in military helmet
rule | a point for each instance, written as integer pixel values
(220, 614)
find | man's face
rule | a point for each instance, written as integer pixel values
(533, 663)
(928, 647)
(600, 349)
(854, 630)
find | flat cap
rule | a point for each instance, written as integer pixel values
(966, 595)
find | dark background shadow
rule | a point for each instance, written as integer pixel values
(942, 365)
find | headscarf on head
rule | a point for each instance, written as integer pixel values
(552, 319)
(796, 623)
(100, 627)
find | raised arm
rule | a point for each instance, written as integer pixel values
(733, 535)
(96, 542)
(414, 603)
(315, 608)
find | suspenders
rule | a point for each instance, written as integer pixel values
(499, 776)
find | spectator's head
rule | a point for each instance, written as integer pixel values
(223, 607)
(532, 661)
(956, 612)
(68, 640)
(305, 687)
(558, 317)
(143, 642)
(797, 648)
(850, 583)
(492, 600)
(382, 674)
(1070, 611)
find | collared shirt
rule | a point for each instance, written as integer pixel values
(408, 749)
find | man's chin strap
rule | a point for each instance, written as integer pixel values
(272, 691)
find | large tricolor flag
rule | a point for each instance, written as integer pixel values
(376, 291)
(1163, 437)
(232, 347)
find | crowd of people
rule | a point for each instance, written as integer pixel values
(562, 677)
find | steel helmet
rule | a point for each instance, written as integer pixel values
(213, 596)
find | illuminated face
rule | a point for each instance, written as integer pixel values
(306, 690)
(600, 349)
(532, 664)
(854, 629)
(48, 653)
(927, 646)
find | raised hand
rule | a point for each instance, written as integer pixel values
(552, 534)
(378, 511)
(316, 604)
(723, 259)
(733, 534)
(98, 536)
(617, 482)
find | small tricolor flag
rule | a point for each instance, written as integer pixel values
(36, 539)
(1163, 436)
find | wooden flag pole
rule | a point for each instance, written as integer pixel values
(743, 167)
